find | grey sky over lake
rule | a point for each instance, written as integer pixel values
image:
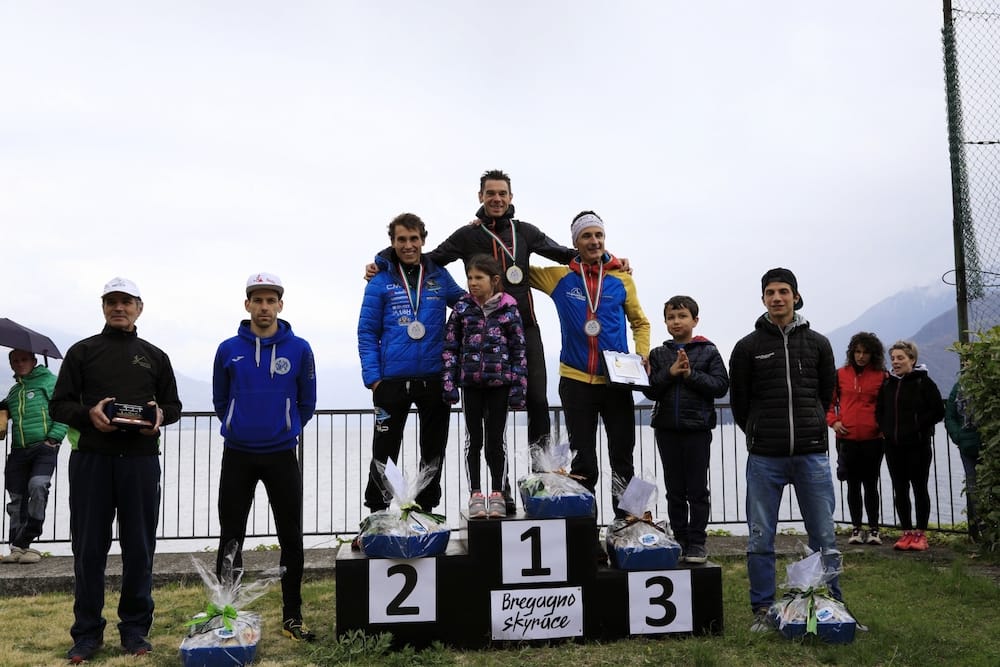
(185, 145)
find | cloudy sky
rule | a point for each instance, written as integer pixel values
(188, 144)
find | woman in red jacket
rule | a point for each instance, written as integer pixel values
(859, 441)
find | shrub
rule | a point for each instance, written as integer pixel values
(981, 382)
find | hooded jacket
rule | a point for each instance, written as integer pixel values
(120, 364)
(686, 403)
(263, 389)
(28, 404)
(386, 349)
(854, 398)
(484, 347)
(908, 408)
(582, 357)
(781, 385)
(961, 423)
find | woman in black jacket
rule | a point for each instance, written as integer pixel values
(909, 405)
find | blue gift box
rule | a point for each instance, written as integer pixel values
(558, 506)
(218, 656)
(405, 546)
(831, 632)
(219, 647)
(659, 554)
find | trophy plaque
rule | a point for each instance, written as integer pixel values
(131, 417)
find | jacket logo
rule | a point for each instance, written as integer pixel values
(432, 285)
(237, 358)
(139, 360)
(576, 293)
(282, 365)
(30, 395)
(764, 356)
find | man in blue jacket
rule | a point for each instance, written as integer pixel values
(400, 341)
(264, 391)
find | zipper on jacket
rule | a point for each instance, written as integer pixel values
(791, 400)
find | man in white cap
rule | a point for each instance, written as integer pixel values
(114, 469)
(264, 391)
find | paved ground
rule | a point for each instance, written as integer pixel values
(55, 573)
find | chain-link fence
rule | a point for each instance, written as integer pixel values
(972, 73)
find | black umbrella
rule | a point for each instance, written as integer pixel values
(19, 337)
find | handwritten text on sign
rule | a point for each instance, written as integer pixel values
(537, 613)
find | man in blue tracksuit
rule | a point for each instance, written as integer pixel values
(400, 342)
(264, 391)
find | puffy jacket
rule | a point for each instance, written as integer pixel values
(28, 404)
(854, 398)
(686, 403)
(582, 357)
(781, 385)
(263, 389)
(961, 423)
(908, 408)
(385, 347)
(485, 348)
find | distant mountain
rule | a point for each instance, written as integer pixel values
(896, 317)
(196, 395)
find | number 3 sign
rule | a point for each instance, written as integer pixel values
(659, 602)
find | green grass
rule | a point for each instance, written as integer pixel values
(919, 612)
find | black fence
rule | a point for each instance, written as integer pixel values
(334, 455)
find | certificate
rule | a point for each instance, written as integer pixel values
(625, 368)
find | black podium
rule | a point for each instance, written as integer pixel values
(522, 579)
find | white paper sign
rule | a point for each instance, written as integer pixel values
(533, 551)
(659, 602)
(536, 613)
(402, 591)
(637, 496)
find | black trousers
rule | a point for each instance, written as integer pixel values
(909, 467)
(685, 456)
(485, 423)
(102, 486)
(536, 399)
(393, 399)
(862, 462)
(28, 476)
(582, 405)
(282, 480)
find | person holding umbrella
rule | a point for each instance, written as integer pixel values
(35, 440)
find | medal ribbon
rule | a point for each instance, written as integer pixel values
(593, 304)
(406, 285)
(512, 252)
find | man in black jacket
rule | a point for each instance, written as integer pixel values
(114, 468)
(781, 384)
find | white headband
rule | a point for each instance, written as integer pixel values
(584, 221)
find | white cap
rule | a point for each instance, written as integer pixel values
(123, 285)
(265, 281)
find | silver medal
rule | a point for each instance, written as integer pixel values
(515, 275)
(416, 330)
(592, 327)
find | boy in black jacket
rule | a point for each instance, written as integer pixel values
(686, 375)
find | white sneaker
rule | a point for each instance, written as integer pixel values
(14, 556)
(477, 505)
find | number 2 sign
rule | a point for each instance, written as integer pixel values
(402, 591)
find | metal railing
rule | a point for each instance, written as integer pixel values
(335, 451)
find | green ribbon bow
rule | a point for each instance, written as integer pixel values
(812, 623)
(228, 614)
(414, 508)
